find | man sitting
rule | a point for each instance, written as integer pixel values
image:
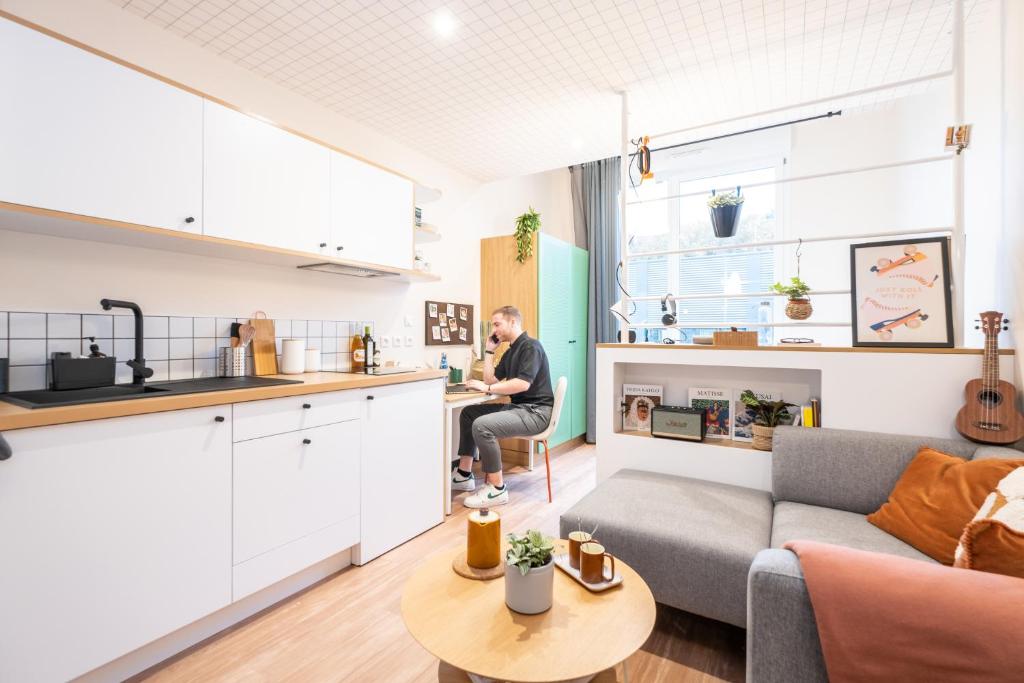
(523, 375)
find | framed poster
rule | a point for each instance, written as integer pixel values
(899, 292)
(448, 324)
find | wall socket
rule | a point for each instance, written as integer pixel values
(398, 341)
(385, 342)
(409, 341)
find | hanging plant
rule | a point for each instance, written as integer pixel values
(725, 212)
(526, 225)
(799, 306)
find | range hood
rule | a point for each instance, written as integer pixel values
(343, 269)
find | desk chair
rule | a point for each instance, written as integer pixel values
(543, 437)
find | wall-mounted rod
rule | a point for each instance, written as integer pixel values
(704, 325)
(804, 240)
(796, 179)
(742, 295)
(826, 115)
(810, 103)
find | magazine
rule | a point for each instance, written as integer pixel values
(638, 401)
(744, 417)
(717, 404)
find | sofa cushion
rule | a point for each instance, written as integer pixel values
(691, 540)
(800, 522)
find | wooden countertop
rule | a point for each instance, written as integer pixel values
(16, 417)
(798, 347)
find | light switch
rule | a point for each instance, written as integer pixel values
(385, 342)
(409, 341)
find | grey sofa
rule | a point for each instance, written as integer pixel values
(716, 550)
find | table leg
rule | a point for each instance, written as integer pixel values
(625, 671)
(447, 459)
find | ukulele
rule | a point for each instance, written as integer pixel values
(990, 413)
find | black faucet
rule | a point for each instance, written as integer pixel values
(138, 364)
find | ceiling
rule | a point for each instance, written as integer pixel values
(524, 85)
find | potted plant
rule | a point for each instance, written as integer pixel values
(725, 212)
(526, 225)
(799, 306)
(529, 572)
(767, 416)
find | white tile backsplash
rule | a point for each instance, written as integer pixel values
(63, 326)
(176, 347)
(27, 326)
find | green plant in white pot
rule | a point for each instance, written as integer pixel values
(529, 573)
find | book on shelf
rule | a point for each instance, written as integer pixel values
(811, 413)
(816, 411)
(743, 420)
(637, 402)
(718, 406)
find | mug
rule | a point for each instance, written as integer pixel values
(592, 563)
(575, 539)
(455, 376)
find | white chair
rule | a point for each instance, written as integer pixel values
(560, 388)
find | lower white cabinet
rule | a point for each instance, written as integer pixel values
(402, 473)
(113, 533)
(296, 501)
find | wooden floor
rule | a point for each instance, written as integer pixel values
(348, 627)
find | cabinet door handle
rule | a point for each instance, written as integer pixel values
(306, 406)
(340, 248)
(219, 418)
(369, 398)
(323, 244)
(306, 442)
(5, 448)
(190, 219)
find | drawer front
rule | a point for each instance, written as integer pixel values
(291, 485)
(280, 415)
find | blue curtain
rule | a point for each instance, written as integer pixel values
(595, 199)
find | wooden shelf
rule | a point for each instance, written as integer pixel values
(728, 443)
(19, 218)
(426, 195)
(796, 347)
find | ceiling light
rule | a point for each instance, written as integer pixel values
(444, 23)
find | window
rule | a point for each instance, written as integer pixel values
(683, 223)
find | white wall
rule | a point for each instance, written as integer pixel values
(1012, 243)
(51, 274)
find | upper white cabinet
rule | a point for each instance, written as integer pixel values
(114, 533)
(372, 213)
(263, 184)
(84, 135)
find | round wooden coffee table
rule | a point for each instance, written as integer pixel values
(466, 624)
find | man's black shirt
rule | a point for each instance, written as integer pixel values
(526, 360)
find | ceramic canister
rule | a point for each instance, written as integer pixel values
(293, 356)
(483, 539)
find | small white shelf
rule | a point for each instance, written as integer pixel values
(426, 195)
(426, 232)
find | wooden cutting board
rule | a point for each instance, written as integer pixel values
(264, 347)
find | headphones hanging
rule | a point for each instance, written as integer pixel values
(668, 319)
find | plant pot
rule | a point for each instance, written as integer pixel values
(799, 309)
(530, 593)
(725, 219)
(762, 437)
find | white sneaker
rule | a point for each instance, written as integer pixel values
(462, 484)
(487, 497)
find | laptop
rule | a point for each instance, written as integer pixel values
(459, 389)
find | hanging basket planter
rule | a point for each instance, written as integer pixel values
(799, 309)
(725, 210)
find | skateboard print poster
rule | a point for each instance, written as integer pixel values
(900, 293)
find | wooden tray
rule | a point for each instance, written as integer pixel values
(562, 562)
(462, 568)
(735, 338)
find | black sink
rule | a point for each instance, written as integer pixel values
(44, 398)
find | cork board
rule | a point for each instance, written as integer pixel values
(448, 324)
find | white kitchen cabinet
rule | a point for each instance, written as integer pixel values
(82, 134)
(114, 533)
(290, 485)
(372, 213)
(402, 472)
(262, 184)
(292, 413)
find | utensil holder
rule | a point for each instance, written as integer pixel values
(231, 361)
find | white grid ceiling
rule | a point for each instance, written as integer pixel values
(526, 85)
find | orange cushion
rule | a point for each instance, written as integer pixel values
(935, 498)
(994, 540)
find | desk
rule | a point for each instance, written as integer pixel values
(452, 404)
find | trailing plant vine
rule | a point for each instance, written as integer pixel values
(526, 225)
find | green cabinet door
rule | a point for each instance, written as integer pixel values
(578, 343)
(554, 291)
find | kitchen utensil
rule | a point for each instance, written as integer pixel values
(231, 361)
(235, 341)
(264, 346)
(246, 333)
(293, 356)
(312, 360)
